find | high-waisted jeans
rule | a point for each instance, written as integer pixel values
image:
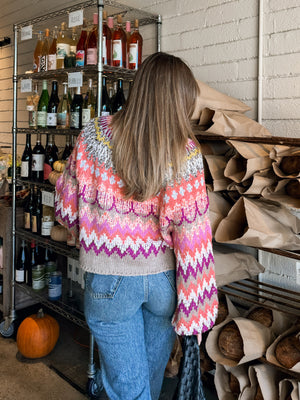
(130, 318)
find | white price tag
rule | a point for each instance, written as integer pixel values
(26, 85)
(47, 198)
(75, 18)
(75, 79)
(26, 32)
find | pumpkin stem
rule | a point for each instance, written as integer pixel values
(40, 313)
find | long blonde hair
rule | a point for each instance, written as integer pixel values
(150, 133)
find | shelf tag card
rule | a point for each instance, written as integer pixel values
(75, 18)
(47, 198)
(26, 85)
(26, 32)
(75, 79)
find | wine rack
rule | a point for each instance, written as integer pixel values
(67, 307)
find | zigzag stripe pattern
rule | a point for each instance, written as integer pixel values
(89, 203)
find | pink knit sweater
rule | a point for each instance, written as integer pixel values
(126, 237)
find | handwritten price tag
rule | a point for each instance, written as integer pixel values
(48, 198)
(26, 85)
(75, 18)
(75, 79)
(26, 32)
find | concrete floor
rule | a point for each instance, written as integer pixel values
(62, 375)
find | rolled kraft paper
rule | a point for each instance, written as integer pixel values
(263, 383)
(230, 382)
(289, 389)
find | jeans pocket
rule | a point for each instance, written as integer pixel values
(102, 286)
(171, 277)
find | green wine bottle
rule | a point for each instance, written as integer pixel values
(43, 106)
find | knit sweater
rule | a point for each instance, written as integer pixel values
(127, 237)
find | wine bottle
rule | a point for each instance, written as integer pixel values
(106, 104)
(119, 45)
(22, 264)
(45, 52)
(128, 34)
(43, 107)
(31, 105)
(62, 46)
(37, 52)
(70, 59)
(119, 98)
(38, 156)
(36, 215)
(106, 40)
(26, 160)
(81, 46)
(135, 47)
(47, 220)
(52, 51)
(28, 210)
(76, 110)
(63, 111)
(32, 264)
(89, 105)
(68, 149)
(91, 44)
(54, 145)
(50, 158)
(52, 107)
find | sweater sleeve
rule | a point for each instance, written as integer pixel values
(185, 226)
(66, 196)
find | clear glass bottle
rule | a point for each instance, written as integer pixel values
(135, 47)
(37, 52)
(89, 105)
(62, 46)
(45, 52)
(52, 50)
(31, 105)
(92, 42)
(63, 111)
(70, 60)
(119, 45)
(106, 40)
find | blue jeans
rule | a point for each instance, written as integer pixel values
(130, 318)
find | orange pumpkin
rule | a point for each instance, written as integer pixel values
(37, 335)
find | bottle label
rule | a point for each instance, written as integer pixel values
(43, 63)
(47, 170)
(42, 119)
(20, 275)
(32, 118)
(86, 116)
(91, 56)
(62, 50)
(74, 121)
(34, 224)
(51, 119)
(25, 169)
(80, 55)
(51, 62)
(117, 51)
(38, 162)
(104, 113)
(46, 227)
(27, 220)
(63, 120)
(104, 50)
(133, 55)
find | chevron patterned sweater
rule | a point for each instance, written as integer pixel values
(126, 237)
